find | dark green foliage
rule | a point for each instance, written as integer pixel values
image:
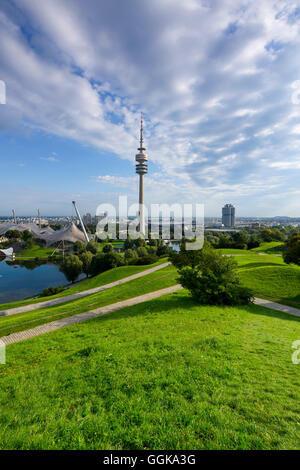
(104, 261)
(292, 251)
(142, 251)
(71, 267)
(144, 260)
(213, 280)
(79, 247)
(107, 249)
(92, 247)
(51, 291)
(86, 259)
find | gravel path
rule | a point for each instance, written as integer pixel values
(78, 295)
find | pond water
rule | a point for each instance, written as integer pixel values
(19, 280)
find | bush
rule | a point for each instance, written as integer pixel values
(145, 260)
(214, 279)
(51, 291)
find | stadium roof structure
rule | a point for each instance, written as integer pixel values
(70, 233)
(31, 227)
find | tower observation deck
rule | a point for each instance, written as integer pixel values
(141, 169)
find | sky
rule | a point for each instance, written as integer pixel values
(218, 82)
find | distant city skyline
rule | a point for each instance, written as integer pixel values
(218, 81)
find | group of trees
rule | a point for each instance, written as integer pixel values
(244, 239)
(87, 259)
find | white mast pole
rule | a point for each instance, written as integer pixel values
(81, 222)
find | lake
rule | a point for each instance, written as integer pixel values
(26, 279)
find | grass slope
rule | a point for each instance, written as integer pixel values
(161, 279)
(167, 374)
(100, 280)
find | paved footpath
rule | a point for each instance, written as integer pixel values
(275, 306)
(78, 295)
(81, 317)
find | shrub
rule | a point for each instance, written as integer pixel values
(145, 260)
(214, 279)
(51, 291)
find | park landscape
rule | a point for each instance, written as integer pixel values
(165, 373)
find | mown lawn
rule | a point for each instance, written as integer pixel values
(35, 251)
(100, 280)
(167, 374)
(161, 279)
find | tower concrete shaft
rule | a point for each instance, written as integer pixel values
(141, 169)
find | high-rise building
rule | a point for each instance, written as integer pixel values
(228, 215)
(141, 170)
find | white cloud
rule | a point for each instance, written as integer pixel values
(209, 76)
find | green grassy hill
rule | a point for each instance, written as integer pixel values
(166, 374)
(100, 280)
(161, 279)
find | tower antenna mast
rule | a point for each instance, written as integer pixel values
(141, 169)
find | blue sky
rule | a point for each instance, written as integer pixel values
(218, 81)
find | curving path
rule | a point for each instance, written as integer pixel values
(78, 295)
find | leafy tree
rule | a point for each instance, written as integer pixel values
(71, 267)
(86, 259)
(214, 279)
(107, 249)
(130, 255)
(104, 261)
(128, 244)
(79, 247)
(292, 250)
(13, 234)
(92, 247)
(142, 251)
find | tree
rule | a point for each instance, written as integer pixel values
(128, 244)
(142, 251)
(79, 247)
(86, 259)
(92, 247)
(71, 267)
(107, 249)
(214, 279)
(104, 261)
(130, 256)
(291, 253)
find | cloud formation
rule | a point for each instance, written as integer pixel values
(218, 81)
